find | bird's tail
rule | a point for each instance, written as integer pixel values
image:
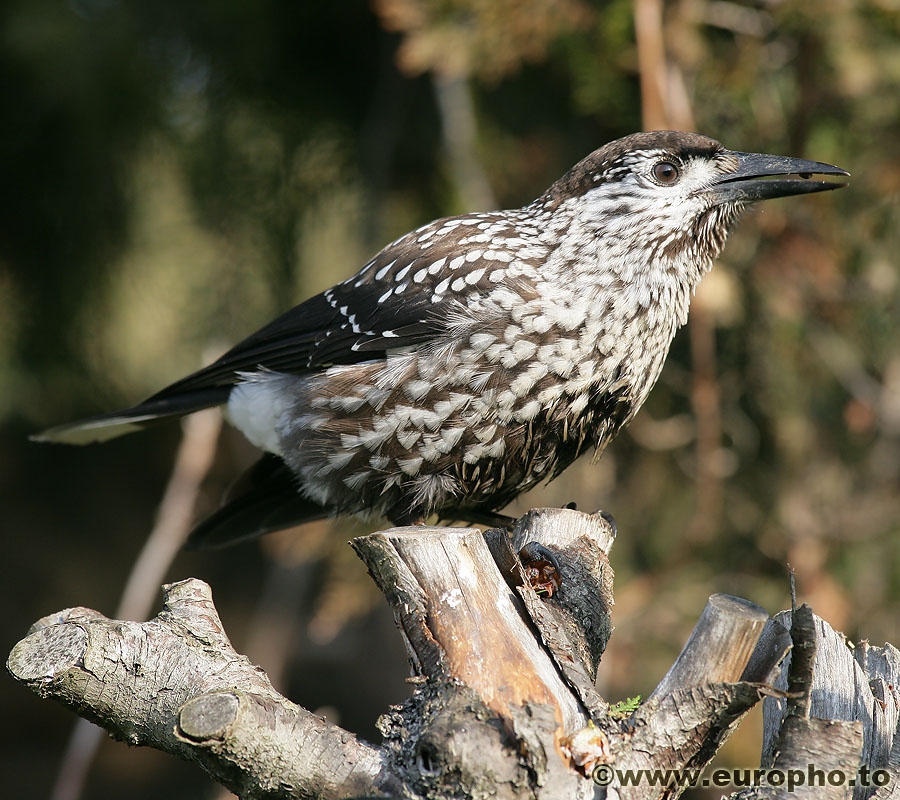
(155, 409)
(263, 500)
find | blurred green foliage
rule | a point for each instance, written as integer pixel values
(174, 174)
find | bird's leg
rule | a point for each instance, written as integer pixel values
(403, 520)
(490, 518)
(541, 568)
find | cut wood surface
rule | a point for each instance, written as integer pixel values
(461, 621)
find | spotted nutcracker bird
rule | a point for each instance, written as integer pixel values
(479, 354)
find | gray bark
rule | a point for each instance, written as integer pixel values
(505, 704)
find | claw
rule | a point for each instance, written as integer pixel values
(610, 520)
(541, 569)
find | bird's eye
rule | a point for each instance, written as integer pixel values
(666, 172)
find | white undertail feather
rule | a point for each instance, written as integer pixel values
(257, 408)
(93, 432)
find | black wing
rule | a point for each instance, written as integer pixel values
(400, 299)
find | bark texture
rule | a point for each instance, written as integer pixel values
(504, 634)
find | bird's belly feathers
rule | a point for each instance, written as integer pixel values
(468, 427)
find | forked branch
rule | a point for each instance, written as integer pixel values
(504, 636)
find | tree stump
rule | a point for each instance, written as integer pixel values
(504, 635)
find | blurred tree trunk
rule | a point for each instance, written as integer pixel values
(665, 105)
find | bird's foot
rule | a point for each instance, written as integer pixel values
(609, 520)
(541, 569)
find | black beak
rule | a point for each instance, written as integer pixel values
(755, 178)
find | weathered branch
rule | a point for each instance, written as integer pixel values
(841, 711)
(505, 704)
(720, 645)
(175, 683)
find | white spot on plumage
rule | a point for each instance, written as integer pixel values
(578, 404)
(374, 439)
(384, 270)
(410, 466)
(444, 408)
(375, 396)
(349, 404)
(481, 341)
(435, 489)
(484, 435)
(480, 380)
(432, 420)
(524, 348)
(429, 448)
(550, 396)
(357, 480)
(385, 425)
(379, 462)
(506, 399)
(349, 441)
(451, 436)
(416, 390)
(437, 266)
(541, 323)
(508, 357)
(407, 438)
(505, 298)
(524, 383)
(418, 416)
(473, 453)
(495, 449)
(528, 412)
(392, 480)
(338, 459)
(460, 399)
(561, 367)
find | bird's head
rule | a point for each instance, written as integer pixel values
(669, 197)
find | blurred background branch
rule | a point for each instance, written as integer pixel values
(665, 104)
(173, 523)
